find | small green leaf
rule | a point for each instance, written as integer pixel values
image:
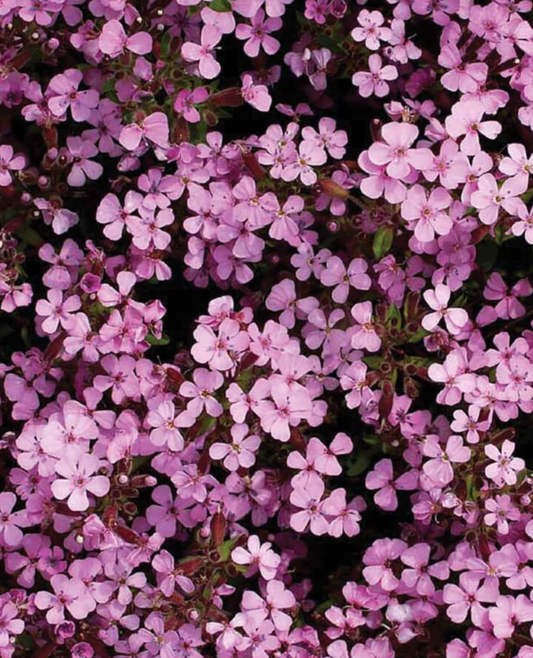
(164, 340)
(382, 241)
(220, 5)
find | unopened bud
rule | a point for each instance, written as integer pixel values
(333, 189)
(231, 97)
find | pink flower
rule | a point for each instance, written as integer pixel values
(56, 310)
(364, 336)
(469, 423)
(208, 67)
(255, 95)
(186, 100)
(336, 274)
(258, 556)
(311, 514)
(345, 516)
(10, 522)
(438, 299)
(439, 468)
(80, 152)
(63, 92)
(378, 560)
(371, 30)
(277, 598)
(327, 137)
(113, 40)
(466, 120)
(382, 478)
(257, 35)
(287, 408)
(218, 349)
(309, 155)
(500, 511)
(354, 380)
(489, 198)
(517, 164)
(465, 77)
(508, 613)
(205, 383)
(76, 469)
(374, 81)
(169, 575)
(426, 215)
(8, 163)
(71, 594)
(395, 153)
(467, 597)
(114, 215)
(240, 453)
(166, 426)
(505, 468)
(153, 128)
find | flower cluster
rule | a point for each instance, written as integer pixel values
(266, 368)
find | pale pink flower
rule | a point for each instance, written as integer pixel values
(438, 299)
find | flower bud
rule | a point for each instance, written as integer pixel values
(231, 97)
(333, 189)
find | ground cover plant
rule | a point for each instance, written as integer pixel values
(266, 356)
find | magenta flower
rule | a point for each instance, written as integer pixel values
(9, 624)
(438, 299)
(500, 510)
(70, 594)
(56, 310)
(426, 215)
(336, 274)
(374, 81)
(80, 152)
(258, 556)
(10, 522)
(113, 40)
(466, 121)
(439, 468)
(311, 506)
(208, 67)
(364, 336)
(489, 198)
(8, 163)
(505, 467)
(186, 100)
(257, 35)
(371, 29)
(395, 153)
(63, 94)
(240, 453)
(76, 471)
(154, 128)
(206, 382)
(217, 349)
(166, 426)
(378, 561)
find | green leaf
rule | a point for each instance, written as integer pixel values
(224, 550)
(164, 340)
(382, 241)
(220, 5)
(361, 464)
